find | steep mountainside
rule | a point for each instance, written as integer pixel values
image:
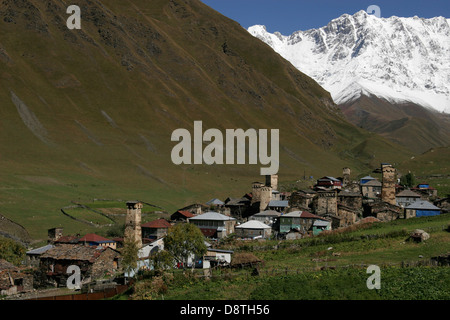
(397, 62)
(89, 113)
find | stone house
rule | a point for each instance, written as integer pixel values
(371, 189)
(13, 279)
(350, 199)
(383, 211)
(406, 197)
(444, 204)
(155, 229)
(425, 190)
(33, 256)
(326, 202)
(300, 220)
(421, 208)
(302, 199)
(347, 215)
(94, 262)
(214, 224)
(252, 229)
(267, 217)
(238, 207)
(278, 205)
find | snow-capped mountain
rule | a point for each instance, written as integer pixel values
(398, 59)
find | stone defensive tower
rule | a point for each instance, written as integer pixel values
(256, 191)
(272, 181)
(388, 183)
(266, 196)
(133, 231)
(346, 176)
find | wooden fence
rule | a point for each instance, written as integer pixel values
(108, 293)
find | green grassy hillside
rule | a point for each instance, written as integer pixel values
(89, 113)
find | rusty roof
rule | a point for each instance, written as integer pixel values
(92, 237)
(157, 224)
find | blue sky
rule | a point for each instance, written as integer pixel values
(287, 16)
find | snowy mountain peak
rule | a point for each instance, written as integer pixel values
(398, 59)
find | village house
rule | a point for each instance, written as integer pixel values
(216, 257)
(347, 216)
(327, 183)
(366, 179)
(94, 262)
(425, 190)
(277, 205)
(443, 204)
(13, 279)
(144, 256)
(383, 211)
(215, 203)
(33, 256)
(155, 229)
(406, 197)
(238, 207)
(181, 215)
(267, 217)
(320, 226)
(371, 189)
(93, 239)
(326, 202)
(253, 229)
(300, 220)
(195, 208)
(350, 199)
(214, 224)
(421, 208)
(302, 199)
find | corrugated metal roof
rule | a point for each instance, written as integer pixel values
(422, 205)
(253, 224)
(408, 193)
(41, 250)
(215, 201)
(321, 223)
(212, 216)
(279, 203)
(267, 213)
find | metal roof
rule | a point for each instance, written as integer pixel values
(215, 201)
(408, 193)
(321, 223)
(212, 216)
(279, 203)
(422, 205)
(267, 213)
(41, 250)
(253, 224)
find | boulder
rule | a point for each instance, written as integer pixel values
(419, 235)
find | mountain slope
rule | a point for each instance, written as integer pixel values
(390, 76)
(407, 124)
(89, 113)
(398, 59)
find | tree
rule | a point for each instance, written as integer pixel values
(183, 241)
(129, 256)
(11, 251)
(408, 180)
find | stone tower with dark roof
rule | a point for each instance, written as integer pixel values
(133, 230)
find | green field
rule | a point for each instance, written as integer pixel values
(326, 267)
